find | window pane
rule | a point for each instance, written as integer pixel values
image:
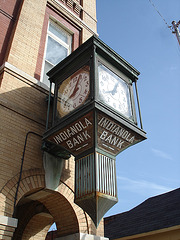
(58, 32)
(55, 51)
(58, 47)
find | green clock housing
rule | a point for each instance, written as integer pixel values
(94, 75)
(93, 118)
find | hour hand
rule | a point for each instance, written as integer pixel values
(76, 88)
(74, 92)
(114, 91)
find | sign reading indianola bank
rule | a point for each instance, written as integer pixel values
(76, 137)
(114, 137)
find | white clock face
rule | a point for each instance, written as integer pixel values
(114, 91)
(73, 92)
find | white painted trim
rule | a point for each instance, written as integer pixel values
(82, 236)
(24, 75)
(8, 221)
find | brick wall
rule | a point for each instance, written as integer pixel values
(36, 227)
(23, 108)
(24, 48)
(8, 16)
(51, 235)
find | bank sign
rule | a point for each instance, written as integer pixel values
(76, 137)
(112, 136)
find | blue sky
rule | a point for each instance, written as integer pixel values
(135, 30)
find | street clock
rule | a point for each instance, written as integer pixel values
(73, 92)
(94, 119)
(115, 90)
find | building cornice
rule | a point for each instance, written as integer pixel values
(72, 16)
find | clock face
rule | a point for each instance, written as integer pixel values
(73, 92)
(114, 91)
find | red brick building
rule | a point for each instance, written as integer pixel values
(35, 36)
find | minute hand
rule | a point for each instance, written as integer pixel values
(76, 87)
(114, 91)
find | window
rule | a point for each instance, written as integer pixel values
(58, 46)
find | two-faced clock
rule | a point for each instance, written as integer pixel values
(94, 119)
(73, 91)
(114, 91)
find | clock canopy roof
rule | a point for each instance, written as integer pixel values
(90, 49)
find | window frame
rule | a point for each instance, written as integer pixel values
(69, 33)
(70, 26)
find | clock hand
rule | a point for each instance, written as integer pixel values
(114, 91)
(115, 88)
(76, 88)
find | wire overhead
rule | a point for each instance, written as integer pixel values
(174, 27)
(160, 14)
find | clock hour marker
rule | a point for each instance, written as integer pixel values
(74, 91)
(114, 91)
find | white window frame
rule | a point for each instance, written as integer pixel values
(68, 45)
